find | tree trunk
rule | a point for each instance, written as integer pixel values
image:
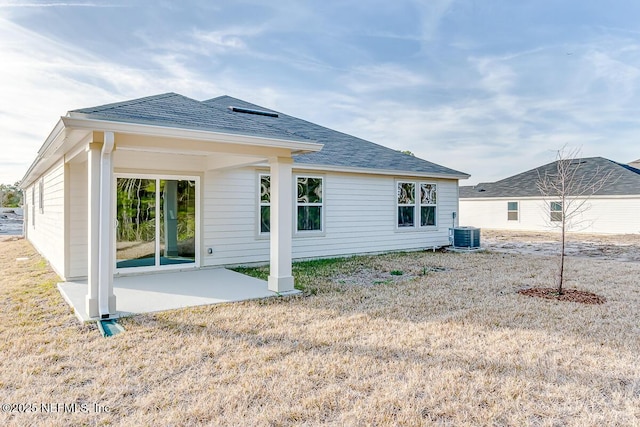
(562, 244)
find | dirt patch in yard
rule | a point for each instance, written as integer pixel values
(570, 295)
(616, 247)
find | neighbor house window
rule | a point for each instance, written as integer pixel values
(512, 211)
(309, 203)
(427, 204)
(265, 203)
(406, 204)
(555, 209)
(41, 195)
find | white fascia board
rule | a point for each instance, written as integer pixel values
(374, 171)
(53, 142)
(515, 198)
(296, 146)
(502, 198)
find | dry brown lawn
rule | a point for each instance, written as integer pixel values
(448, 342)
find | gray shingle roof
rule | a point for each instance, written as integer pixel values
(339, 148)
(623, 180)
(174, 110)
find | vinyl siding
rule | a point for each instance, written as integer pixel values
(47, 236)
(359, 217)
(614, 215)
(78, 219)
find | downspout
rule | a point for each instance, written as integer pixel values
(105, 274)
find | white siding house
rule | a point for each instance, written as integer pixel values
(46, 207)
(167, 182)
(515, 203)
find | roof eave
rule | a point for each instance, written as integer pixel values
(375, 171)
(46, 150)
(296, 146)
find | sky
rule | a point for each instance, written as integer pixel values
(488, 87)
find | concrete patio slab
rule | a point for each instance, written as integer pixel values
(171, 290)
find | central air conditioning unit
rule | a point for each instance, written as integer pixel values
(464, 237)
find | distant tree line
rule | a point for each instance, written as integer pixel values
(10, 195)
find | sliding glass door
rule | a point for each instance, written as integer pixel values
(156, 222)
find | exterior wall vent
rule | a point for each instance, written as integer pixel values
(250, 111)
(465, 237)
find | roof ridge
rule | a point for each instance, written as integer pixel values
(114, 105)
(255, 120)
(627, 167)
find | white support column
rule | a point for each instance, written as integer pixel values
(93, 220)
(280, 277)
(106, 298)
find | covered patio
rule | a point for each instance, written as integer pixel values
(148, 293)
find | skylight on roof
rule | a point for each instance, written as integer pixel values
(250, 111)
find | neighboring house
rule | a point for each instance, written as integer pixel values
(515, 203)
(168, 182)
(635, 164)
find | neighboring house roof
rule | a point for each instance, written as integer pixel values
(635, 164)
(622, 180)
(339, 149)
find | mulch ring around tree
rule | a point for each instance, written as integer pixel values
(571, 295)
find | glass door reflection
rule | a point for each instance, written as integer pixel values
(156, 222)
(178, 222)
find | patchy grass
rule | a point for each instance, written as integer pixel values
(308, 273)
(450, 342)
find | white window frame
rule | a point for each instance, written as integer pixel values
(298, 204)
(261, 203)
(420, 205)
(516, 210)
(552, 211)
(41, 195)
(297, 233)
(33, 206)
(157, 267)
(417, 205)
(405, 205)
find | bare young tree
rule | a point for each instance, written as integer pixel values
(566, 190)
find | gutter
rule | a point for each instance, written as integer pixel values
(373, 171)
(44, 151)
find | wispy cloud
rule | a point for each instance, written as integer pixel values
(381, 77)
(233, 39)
(19, 4)
(43, 78)
(432, 13)
(439, 78)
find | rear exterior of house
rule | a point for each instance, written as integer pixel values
(359, 215)
(515, 203)
(167, 182)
